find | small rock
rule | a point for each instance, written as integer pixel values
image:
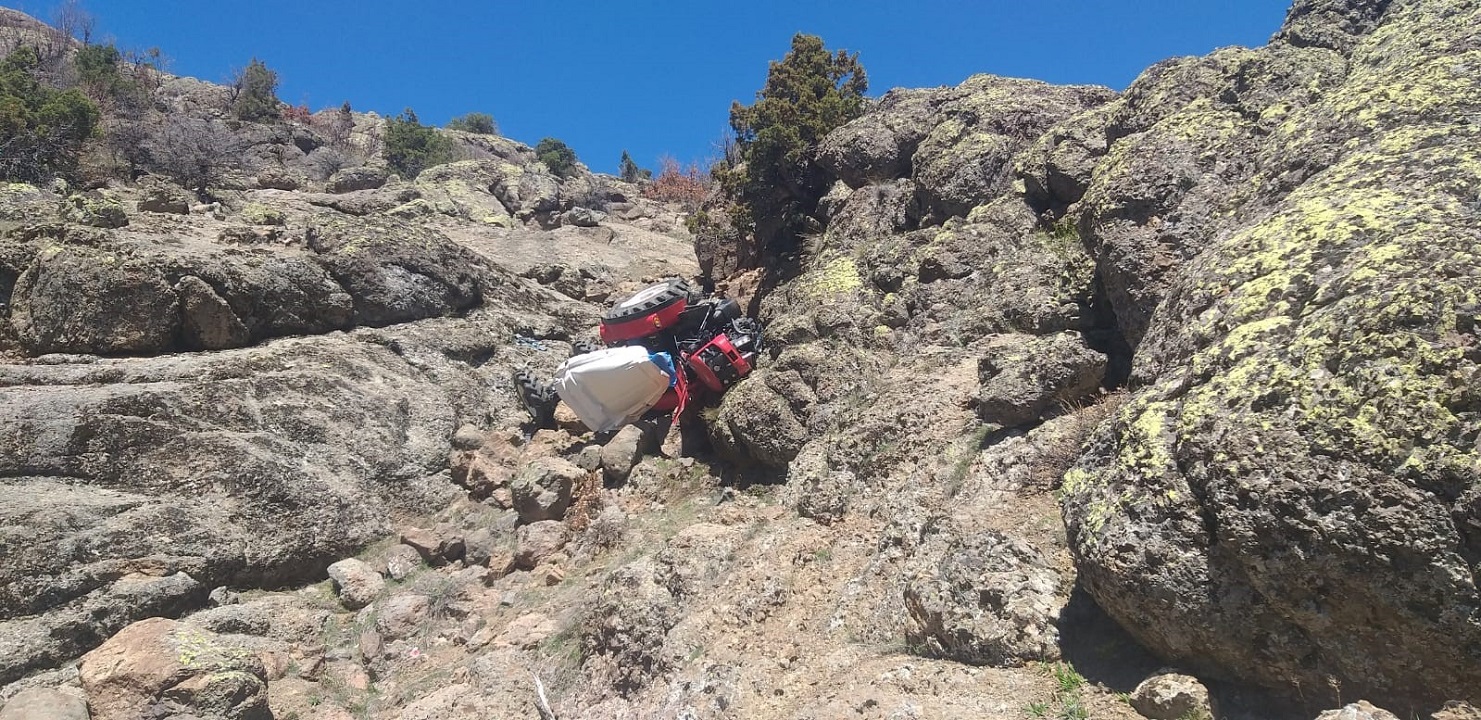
(357, 178)
(1171, 696)
(479, 547)
(224, 596)
(501, 563)
(622, 452)
(370, 645)
(403, 616)
(468, 437)
(278, 179)
(481, 638)
(567, 419)
(551, 575)
(583, 217)
(589, 458)
(538, 541)
(402, 561)
(1456, 710)
(357, 583)
(275, 664)
(1360, 710)
(165, 200)
(429, 544)
(543, 490)
(526, 631)
(46, 704)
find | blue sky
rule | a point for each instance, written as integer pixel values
(650, 77)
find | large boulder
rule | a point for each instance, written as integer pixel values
(82, 300)
(965, 159)
(397, 272)
(1025, 376)
(988, 600)
(1186, 140)
(357, 178)
(161, 663)
(879, 145)
(1297, 485)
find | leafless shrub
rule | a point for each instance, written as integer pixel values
(196, 153)
(1062, 450)
(38, 155)
(327, 160)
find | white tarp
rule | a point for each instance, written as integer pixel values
(610, 387)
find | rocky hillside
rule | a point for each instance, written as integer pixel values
(1155, 404)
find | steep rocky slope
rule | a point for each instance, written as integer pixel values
(1074, 385)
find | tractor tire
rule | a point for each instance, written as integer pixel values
(538, 398)
(582, 347)
(650, 300)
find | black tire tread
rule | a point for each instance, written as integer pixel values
(678, 289)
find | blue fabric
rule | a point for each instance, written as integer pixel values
(666, 364)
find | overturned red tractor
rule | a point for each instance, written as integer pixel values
(666, 346)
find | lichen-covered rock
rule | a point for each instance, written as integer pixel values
(357, 178)
(1185, 140)
(1296, 485)
(96, 208)
(159, 661)
(259, 214)
(464, 190)
(80, 300)
(756, 423)
(965, 158)
(397, 272)
(22, 202)
(879, 145)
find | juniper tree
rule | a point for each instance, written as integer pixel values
(808, 93)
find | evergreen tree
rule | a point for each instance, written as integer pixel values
(557, 156)
(474, 122)
(41, 129)
(97, 71)
(257, 98)
(412, 147)
(810, 92)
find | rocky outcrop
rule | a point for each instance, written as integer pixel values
(1296, 484)
(82, 292)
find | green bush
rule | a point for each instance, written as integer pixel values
(474, 122)
(557, 156)
(412, 147)
(807, 94)
(256, 93)
(98, 71)
(41, 129)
